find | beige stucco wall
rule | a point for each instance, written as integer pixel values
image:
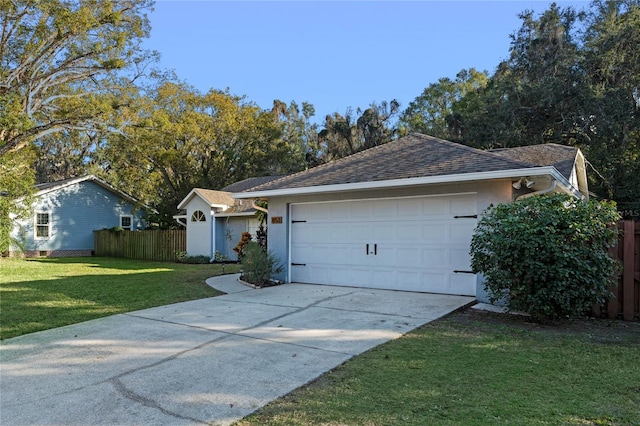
(199, 233)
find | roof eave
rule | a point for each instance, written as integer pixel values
(236, 214)
(409, 182)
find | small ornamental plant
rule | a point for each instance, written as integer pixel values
(245, 238)
(547, 255)
(259, 265)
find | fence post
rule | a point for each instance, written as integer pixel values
(628, 269)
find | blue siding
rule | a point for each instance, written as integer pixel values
(75, 212)
(229, 227)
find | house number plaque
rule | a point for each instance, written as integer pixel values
(276, 220)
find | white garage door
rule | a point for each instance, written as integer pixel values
(414, 244)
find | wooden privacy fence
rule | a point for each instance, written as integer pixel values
(160, 246)
(626, 301)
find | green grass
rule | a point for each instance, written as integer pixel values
(40, 294)
(467, 370)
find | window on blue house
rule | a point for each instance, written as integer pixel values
(43, 225)
(126, 222)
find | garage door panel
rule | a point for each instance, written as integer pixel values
(419, 243)
(434, 257)
(461, 206)
(462, 231)
(435, 207)
(386, 232)
(408, 257)
(434, 233)
(385, 209)
(360, 210)
(460, 259)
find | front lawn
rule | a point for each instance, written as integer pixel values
(39, 294)
(475, 368)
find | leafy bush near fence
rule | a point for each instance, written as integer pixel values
(547, 255)
(182, 257)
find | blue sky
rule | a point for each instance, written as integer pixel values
(332, 54)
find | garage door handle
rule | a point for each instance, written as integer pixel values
(367, 248)
(470, 216)
(298, 264)
(463, 272)
(375, 249)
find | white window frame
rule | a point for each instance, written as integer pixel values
(130, 227)
(37, 225)
(201, 217)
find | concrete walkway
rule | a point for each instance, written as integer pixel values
(209, 361)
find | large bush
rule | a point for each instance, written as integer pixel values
(547, 255)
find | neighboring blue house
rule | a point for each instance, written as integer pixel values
(65, 214)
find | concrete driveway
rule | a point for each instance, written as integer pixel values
(210, 361)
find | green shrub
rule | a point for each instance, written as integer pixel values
(547, 255)
(182, 257)
(197, 260)
(258, 265)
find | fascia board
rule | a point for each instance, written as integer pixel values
(185, 200)
(64, 185)
(408, 182)
(239, 214)
(194, 192)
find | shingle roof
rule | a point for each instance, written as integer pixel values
(219, 198)
(212, 197)
(415, 155)
(249, 183)
(559, 156)
(57, 183)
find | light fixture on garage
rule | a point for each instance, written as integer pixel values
(527, 183)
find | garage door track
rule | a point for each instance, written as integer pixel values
(209, 361)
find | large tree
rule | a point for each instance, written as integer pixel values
(58, 58)
(571, 78)
(177, 139)
(61, 62)
(432, 112)
(343, 135)
(612, 62)
(536, 95)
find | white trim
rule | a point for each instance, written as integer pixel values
(350, 200)
(181, 219)
(231, 214)
(407, 182)
(202, 217)
(289, 209)
(36, 225)
(194, 192)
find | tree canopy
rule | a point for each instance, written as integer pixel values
(572, 78)
(79, 95)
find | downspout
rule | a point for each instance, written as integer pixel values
(553, 185)
(212, 246)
